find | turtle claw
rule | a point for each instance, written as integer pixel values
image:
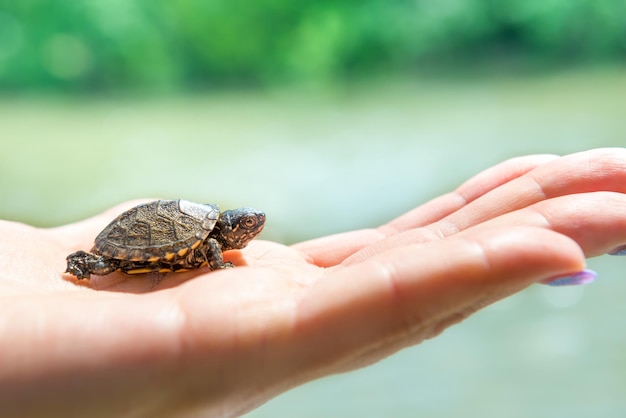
(81, 264)
(77, 265)
(224, 266)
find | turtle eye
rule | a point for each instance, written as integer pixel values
(249, 222)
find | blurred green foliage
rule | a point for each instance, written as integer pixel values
(93, 45)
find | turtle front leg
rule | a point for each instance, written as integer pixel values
(82, 264)
(211, 252)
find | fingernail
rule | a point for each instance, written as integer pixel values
(572, 279)
(619, 251)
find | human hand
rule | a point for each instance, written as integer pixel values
(221, 343)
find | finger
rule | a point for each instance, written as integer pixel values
(331, 250)
(590, 171)
(602, 169)
(484, 182)
(536, 180)
(596, 221)
(374, 308)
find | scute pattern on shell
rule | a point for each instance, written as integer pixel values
(156, 229)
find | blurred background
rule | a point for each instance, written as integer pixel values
(334, 115)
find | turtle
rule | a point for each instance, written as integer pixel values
(167, 236)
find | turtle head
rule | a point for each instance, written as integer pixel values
(237, 227)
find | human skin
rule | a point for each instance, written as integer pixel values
(222, 343)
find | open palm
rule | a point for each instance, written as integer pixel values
(223, 342)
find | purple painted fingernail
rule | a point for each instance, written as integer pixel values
(572, 279)
(619, 251)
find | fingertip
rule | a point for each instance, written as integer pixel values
(531, 253)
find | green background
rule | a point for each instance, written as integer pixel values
(88, 46)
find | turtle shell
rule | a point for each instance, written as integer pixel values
(160, 230)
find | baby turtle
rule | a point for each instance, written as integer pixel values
(167, 236)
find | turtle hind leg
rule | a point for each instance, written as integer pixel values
(83, 264)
